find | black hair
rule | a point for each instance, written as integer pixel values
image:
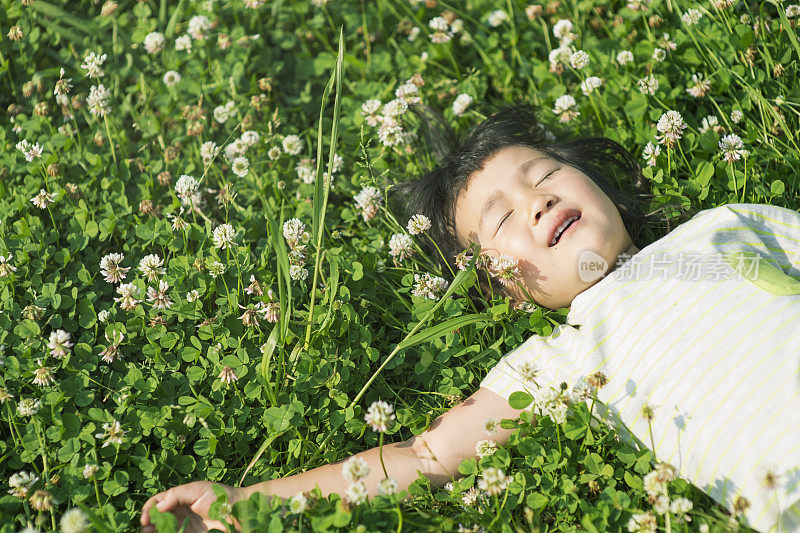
(435, 192)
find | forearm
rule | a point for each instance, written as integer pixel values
(402, 465)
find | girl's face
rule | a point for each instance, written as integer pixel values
(511, 207)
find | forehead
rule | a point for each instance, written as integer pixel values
(484, 182)
(500, 165)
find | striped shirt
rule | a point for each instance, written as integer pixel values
(710, 340)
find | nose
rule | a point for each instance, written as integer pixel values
(539, 206)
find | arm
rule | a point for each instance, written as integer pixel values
(436, 453)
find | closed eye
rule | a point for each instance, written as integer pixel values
(547, 176)
(500, 225)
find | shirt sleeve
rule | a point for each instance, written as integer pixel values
(538, 362)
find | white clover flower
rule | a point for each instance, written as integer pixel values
(294, 231)
(74, 521)
(485, 448)
(198, 26)
(223, 112)
(643, 523)
(356, 493)
(654, 485)
(89, 471)
(390, 133)
(298, 503)
(227, 375)
(369, 200)
(305, 170)
(651, 152)
(439, 37)
(28, 406)
(661, 505)
(496, 18)
(680, 507)
(151, 266)
(43, 375)
(736, 116)
(405, 91)
(472, 496)
(387, 487)
(92, 63)
(171, 78)
(298, 273)
(490, 425)
(59, 343)
(559, 55)
(671, 126)
(110, 269)
(250, 138)
(456, 26)
(292, 144)
(97, 101)
(224, 235)
(590, 84)
(413, 33)
(369, 110)
(461, 103)
(659, 55)
(112, 432)
(184, 42)
(418, 224)
(154, 42)
(379, 416)
(21, 483)
(235, 148)
(692, 16)
(505, 269)
(579, 59)
(43, 199)
(215, 268)
(438, 24)
(427, 286)
(159, 297)
(562, 28)
(401, 246)
(186, 186)
(126, 298)
(355, 469)
(208, 151)
(565, 106)
(493, 481)
(395, 108)
(648, 84)
(625, 57)
(30, 151)
(732, 148)
(240, 166)
(192, 296)
(102, 316)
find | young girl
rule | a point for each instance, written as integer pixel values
(692, 340)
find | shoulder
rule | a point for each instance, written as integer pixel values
(748, 215)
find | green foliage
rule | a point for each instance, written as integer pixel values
(308, 352)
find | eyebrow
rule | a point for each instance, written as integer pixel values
(497, 194)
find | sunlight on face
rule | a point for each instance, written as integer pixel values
(510, 207)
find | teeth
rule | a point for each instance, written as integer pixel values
(560, 228)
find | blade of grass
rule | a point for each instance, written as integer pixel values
(323, 185)
(56, 13)
(173, 20)
(442, 329)
(282, 263)
(460, 278)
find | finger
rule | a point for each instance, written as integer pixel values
(145, 518)
(168, 502)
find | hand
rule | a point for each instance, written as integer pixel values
(191, 501)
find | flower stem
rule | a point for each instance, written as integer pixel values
(380, 454)
(110, 142)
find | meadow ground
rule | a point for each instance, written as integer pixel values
(193, 287)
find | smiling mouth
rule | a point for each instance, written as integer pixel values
(563, 229)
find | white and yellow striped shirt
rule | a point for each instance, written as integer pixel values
(715, 351)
